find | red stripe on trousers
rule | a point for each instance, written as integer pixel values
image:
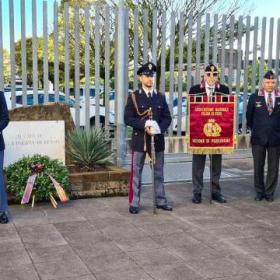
(130, 194)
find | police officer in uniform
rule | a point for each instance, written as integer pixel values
(4, 120)
(209, 86)
(147, 112)
(263, 118)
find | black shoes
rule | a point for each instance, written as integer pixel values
(269, 197)
(3, 218)
(215, 196)
(133, 210)
(166, 207)
(196, 198)
(259, 197)
(218, 197)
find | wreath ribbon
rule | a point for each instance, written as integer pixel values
(36, 169)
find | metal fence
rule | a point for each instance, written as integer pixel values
(100, 48)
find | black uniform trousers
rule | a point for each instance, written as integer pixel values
(259, 154)
(198, 166)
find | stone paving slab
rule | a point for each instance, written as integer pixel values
(97, 239)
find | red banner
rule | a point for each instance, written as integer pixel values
(211, 125)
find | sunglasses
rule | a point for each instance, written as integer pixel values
(215, 74)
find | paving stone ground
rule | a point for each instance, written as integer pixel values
(98, 239)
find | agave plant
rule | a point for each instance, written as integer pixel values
(90, 148)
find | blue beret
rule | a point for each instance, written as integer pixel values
(269, 75)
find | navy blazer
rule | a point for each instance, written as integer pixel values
(161, 115)
(4, 119)
(265, 128)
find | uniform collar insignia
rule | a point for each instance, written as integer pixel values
(261, 92)
(141, 90)
(276, 92)
(202, 85)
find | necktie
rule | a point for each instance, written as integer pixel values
(269, 103)
(149, 95)
(210, 93)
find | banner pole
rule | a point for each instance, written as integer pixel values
(211, 177)
(210, 155)
(153, 158)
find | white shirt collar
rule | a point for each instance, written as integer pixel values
(208, 88)
(272, 93)
(146, 90)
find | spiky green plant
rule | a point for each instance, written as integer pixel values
(90, 148)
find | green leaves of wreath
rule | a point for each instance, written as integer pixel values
(17, 174)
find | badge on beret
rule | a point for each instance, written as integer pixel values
(211, 68)
(150, 66)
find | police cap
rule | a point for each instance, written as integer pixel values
(147, 69)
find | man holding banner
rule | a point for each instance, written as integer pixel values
(4, 120)
(263, 118)
(211, 131)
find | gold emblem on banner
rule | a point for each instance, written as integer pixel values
(212, 129)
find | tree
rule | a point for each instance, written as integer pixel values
(187, 7)
(257, 75)
(6, 66)
(71, 25)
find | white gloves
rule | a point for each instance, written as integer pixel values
(154, 127)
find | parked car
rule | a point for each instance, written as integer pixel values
(240, 112)
(71, 103)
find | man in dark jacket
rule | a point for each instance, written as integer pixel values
(4, 120)
(263, 118)
(209, 86)
(148, 114)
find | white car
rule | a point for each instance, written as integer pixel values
(30, 98)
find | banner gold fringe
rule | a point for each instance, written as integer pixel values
(209, 151)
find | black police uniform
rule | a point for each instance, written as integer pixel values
(265, 138)
(137, 103)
